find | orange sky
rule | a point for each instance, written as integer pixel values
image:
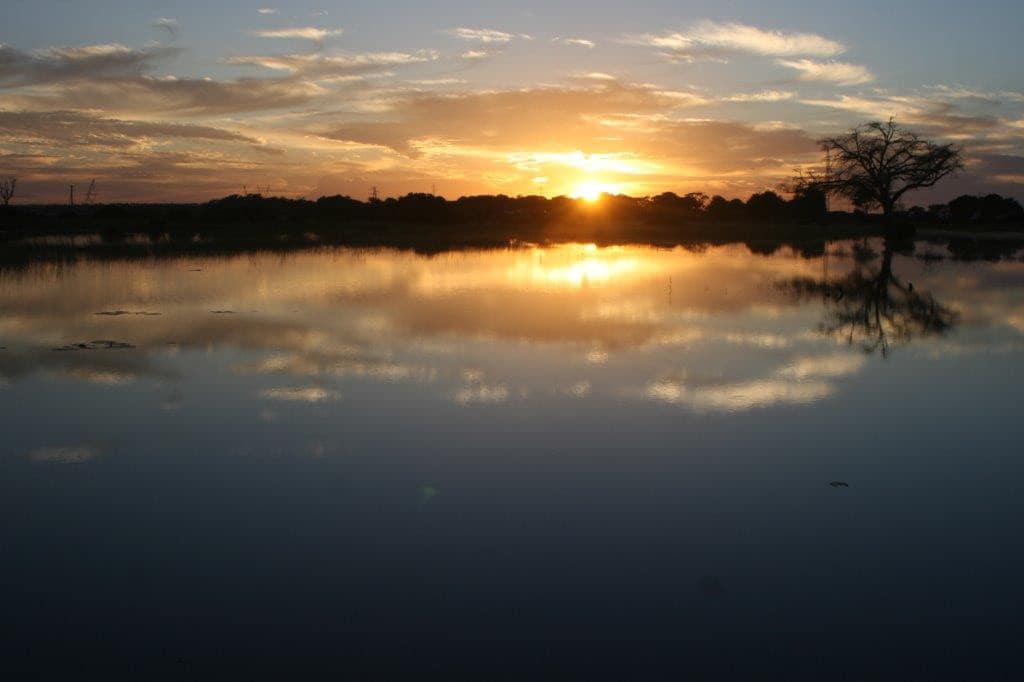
(304, 103)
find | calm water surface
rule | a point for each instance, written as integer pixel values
(362, 458)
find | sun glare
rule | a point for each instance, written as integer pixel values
(591, 190)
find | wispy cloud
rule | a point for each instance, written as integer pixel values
(762, 96)
(840, 73)
(339, 64)
(709, 38)
(483, 35)
(300, 33)
(86, 131)
(577, 42)
(267, 10)
(55, 64)
(475, 55)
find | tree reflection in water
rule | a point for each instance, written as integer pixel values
(873, 307)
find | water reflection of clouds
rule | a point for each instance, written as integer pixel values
(572, 321)
(300, 394)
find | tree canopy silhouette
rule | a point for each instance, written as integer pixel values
(874, 165)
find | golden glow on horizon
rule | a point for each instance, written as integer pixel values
(592, 190)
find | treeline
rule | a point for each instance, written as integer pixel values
(667, 208)
(991, 209)
(806, 207)
(809, 206)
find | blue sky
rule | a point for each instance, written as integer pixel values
(186, 100)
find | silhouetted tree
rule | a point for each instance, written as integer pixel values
(991, 208)
(876, 164)
(720, 208)
(767, 206)
(7, 190)
(874, 307)
(808, 203)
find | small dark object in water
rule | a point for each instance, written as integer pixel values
(118, 313)
(223, 312)
(839, 484)
(101, 344)
(196, 270)
(711, 586)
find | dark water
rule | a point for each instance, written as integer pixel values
(552, 462)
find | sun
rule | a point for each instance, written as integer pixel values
(591, 190)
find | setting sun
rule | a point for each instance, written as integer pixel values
(591, 190)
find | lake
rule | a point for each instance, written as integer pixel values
(712, 459)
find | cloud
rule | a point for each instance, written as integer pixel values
(762, 96)
(840, 73)
(83, 130)
(482, 35)
(339, 64)
(578, 42)
(170, 96)
(267, 10)
(300, 33)
(556, 118)
(57, 64)
(476, 55)
(935, 115)
(709, 38)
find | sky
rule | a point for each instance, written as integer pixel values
(189, 100)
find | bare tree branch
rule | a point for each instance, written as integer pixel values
(875, 164)
(7, 190)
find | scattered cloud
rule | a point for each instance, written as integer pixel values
(483, 35)
(762, 96)
(149, 95)
(710, 39)
(57, 64)
(88, 131)
(318, 64)
(840, 73)
(267, 10)
(300, 33)
(578, 42)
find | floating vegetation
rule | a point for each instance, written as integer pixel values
(102, 344)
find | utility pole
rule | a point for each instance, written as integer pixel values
(71, 196)
(373, 195)
(433, 190)
(90, 195)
